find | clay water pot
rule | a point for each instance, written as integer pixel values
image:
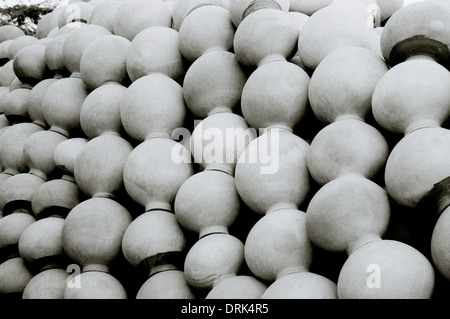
(198, 194)
(104, 13)
(154, 243)
(155, 50)
(400, 95)
(78, 12)
(219, 139)
(95, 285)
(12, 141)
(241, 9)
(205, 29)
(30, 65)
(280, 84)
(10, 32)
(40, 245)
(213, 259)
(16, 192)
(214, 84)
(12, 227)
(66, 153)
(19, 43)
(339, 217)
(7, 75)
(278, 245)
(238, 287)
(337, 26)
(34, 107)
(155, 170)
(152, 106)
(100, 111)
(92, 233)
(265, 35)
(308, 7)
(344, 147)
(354, 70)
(60, 196)
(386, 269)
(61, 104)
(14, 276)
(54, 55)
(56, 197)
(132, 17)
(278, 250)
(76, 43)
(48, 284)
(103, 61)
(15, 104)
(426, 34)
(416, 163)
(276, 161)
(99, 166)
(181, 9)
(38, 152)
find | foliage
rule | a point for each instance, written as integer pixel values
(24, 16)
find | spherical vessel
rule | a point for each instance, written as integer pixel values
(76, 43)
(93, 231)
(275, 94)
(265, 35)
(62, 104)
(337, 27)
(38, 152)
(19, 43)
(278, 244)
(427, 33)
(155, 50)
(386, 269)
(353, 70)
(34, 106)
(155, 170)
(66, 152)
(100, 111)
(14, 276)
(198, 194)
(212, 259)
(54, 54)
(276, 162)
(104, 14)
(30, 65)
(411, 95)
(42, 239)
(205, 29)
(346, 147)
(12, 141)
(213, 84)
(416, 163)
(346, 213)
(10, 32)
(152, 106)
(182, 9)
(12, 227)
(103, 61)
(152, 233)
(49, 284)
(219, 140)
